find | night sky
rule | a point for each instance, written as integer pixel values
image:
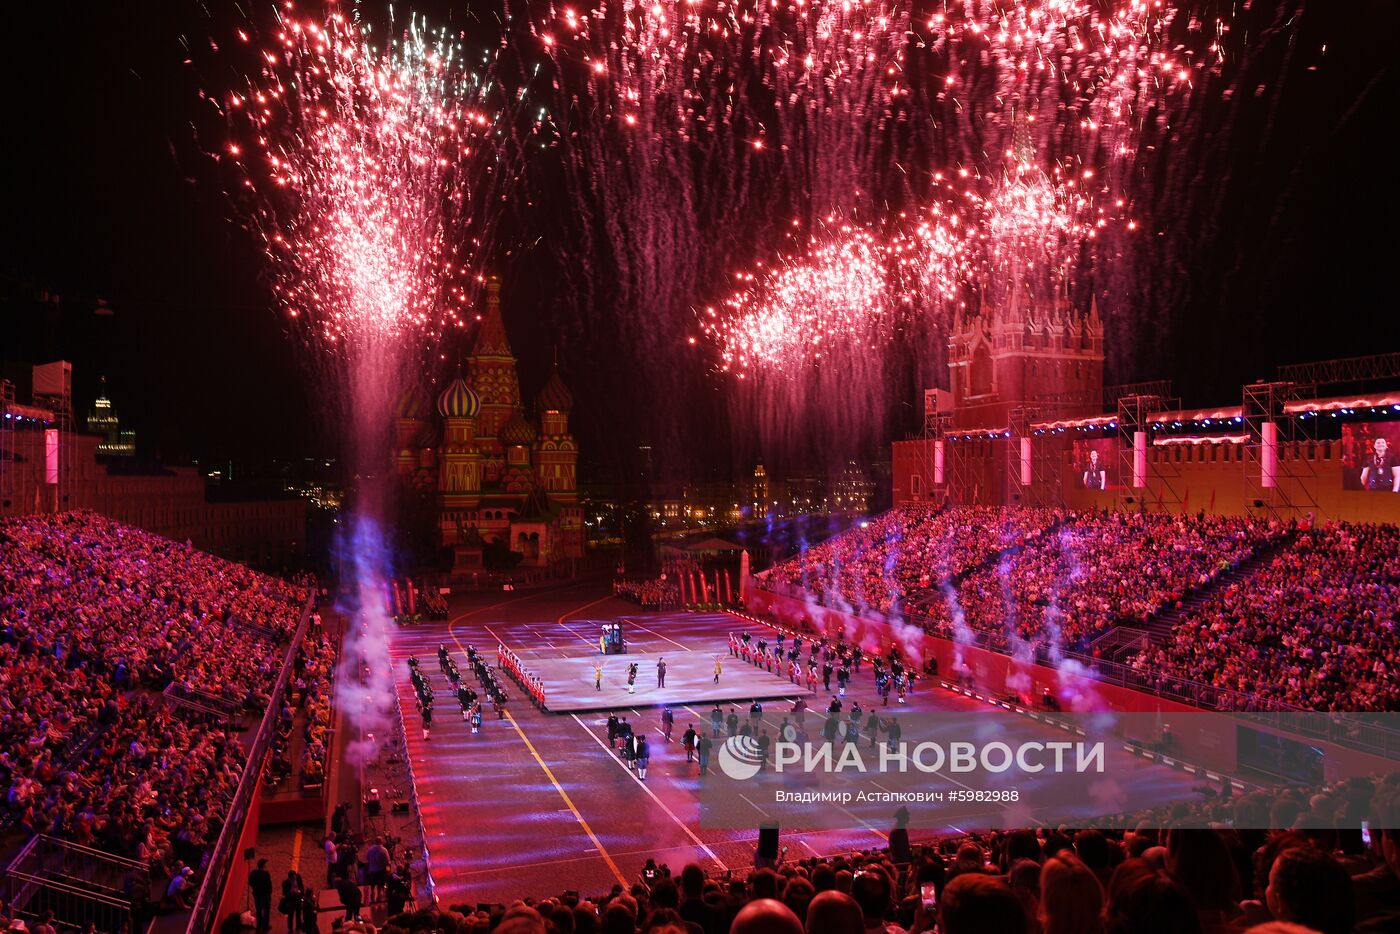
(1292, 258)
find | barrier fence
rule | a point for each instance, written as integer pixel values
(211, 888)
(78, 884)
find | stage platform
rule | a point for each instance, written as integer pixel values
(569, 682)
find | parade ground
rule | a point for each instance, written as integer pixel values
(538, 797)
(686, 646)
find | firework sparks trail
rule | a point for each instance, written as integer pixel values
(1035, 107)
(837, 78)
(369, 171)
(366, 166)
(1081, 74)
(837, 295)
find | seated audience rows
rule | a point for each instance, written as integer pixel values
(1052, 575)
(144, 609)
(312, 684)
(1148, 880)
(95, 619)
(1097, 570)
(1314, 627)
(907, 555)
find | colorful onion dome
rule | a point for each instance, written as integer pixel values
(555, 396)
(458, 400)
(517, 431)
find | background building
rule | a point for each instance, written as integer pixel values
(498, 477)
(1028, 420)
(46, 465)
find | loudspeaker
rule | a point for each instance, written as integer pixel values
(899, 845)
(372, 807)
(400, 807)
(768, 843)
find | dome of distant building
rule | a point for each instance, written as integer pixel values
(410, 404)
(428, 436)
(555, 396)
(458, 401)
(517, 431)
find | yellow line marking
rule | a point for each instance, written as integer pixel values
(564, 795)
(580, 609)
(602, 851)
(296, 850)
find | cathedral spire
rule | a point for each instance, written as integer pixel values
(491, 338)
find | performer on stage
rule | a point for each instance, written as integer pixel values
(719, 669)
(598, 676)
(1381, 473)
(1095, 476)
(688, 738)
(661, 672)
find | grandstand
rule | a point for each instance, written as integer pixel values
(139, 679)
(1295, 617)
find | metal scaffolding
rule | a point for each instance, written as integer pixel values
(8, 455)
(961, 458)
(1043, 486)
(1161, 477)
(1280, 451)
(1347, 370)
(934, 429)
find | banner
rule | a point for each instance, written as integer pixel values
(1010, 768)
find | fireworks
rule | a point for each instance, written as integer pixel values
(366, 167)
(1082, 73)
(834, 297)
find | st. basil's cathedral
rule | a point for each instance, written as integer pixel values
(495, 474)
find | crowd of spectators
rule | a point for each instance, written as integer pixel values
(906, 556)
(1183, 880)
(1052, 575)
(313, 680)
(1099, 569)
(1314, 627)
(96, 618)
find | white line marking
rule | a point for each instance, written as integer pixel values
(651, 794)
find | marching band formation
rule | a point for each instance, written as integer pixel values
(529, 682)
(803, 662)
(840, 660)
(470, 701)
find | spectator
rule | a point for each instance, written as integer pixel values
(766, 916)
(873, 892)
(260, 885)
(834, 913)
(1071, 899)
(1311, 888)
(975, 903)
